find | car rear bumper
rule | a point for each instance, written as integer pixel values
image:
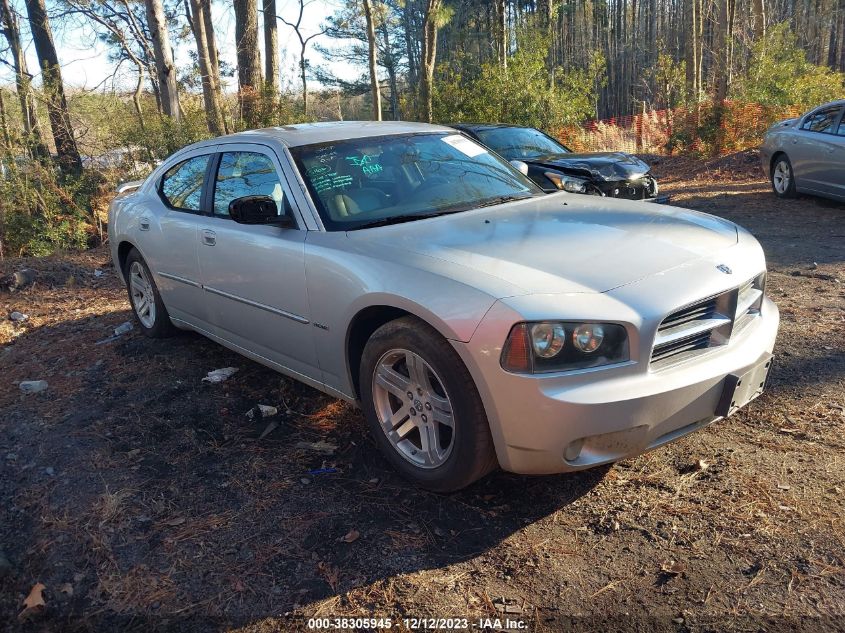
(613, 415)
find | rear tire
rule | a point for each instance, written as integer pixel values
(147, 306)
(423, 408)
(782, 177)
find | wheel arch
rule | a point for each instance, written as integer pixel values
(123, 249)
(774, 159)
(366, 321)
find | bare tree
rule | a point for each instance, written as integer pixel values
(210, 90)
(271, 47)
(303, 46)
(249, 61)
(23, 81)
(371, 41)
(501, 10)
(124, 33)
(758, 8)
(51, 79)
(434, 19)
(165, 69)
(693, 49)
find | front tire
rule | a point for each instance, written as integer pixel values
(423, 408)
(147, 306)
(783, 178)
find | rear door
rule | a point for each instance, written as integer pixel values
(167, 232)
(254, 276)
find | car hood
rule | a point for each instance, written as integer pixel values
(782, 124)
(556, 243)
(608, 166)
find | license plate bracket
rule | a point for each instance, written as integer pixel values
(739, 390)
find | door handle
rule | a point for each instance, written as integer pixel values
(144, 224)
(209, 238)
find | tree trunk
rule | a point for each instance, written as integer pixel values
(249, 60)
(51, 78)
(165, 69)
(4, 126)
(271, 47)
(136, 97)
(758, 8)
(429, 57)
(303, 65)
(409, 29)
(215, 60)
(371, 44)
(34, 139)
(721, 52)
(390, 66)
(502, 31)
(210, 91)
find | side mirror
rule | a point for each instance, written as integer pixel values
(520, 166)
(258, 210)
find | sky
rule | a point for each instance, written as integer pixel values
(85, 63)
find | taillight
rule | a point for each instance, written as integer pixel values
(516, 353)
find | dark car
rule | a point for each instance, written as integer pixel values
(554, 166)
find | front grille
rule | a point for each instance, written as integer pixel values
(681, 346)
(709, 323)
(639, 189)
(704, 310)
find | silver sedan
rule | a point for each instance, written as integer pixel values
(807, 154)
(475, 320)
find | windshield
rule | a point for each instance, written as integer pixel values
(389, 179)
(519, 143)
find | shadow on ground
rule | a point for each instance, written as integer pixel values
(153, 498)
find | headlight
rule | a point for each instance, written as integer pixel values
(549, 346)
(588, 338)
(567, 183)
(547, 339)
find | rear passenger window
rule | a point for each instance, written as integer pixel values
(181, 185)
(822, 120)
(246, 174)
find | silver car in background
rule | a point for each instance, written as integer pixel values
(807, 154)
(476, 320)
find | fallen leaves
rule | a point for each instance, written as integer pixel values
(323, 447)
(330, 574)
(33, 602)
(351, 536)
(672, 568)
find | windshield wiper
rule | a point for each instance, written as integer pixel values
(410, 217)
(399, 219)
(502, 199)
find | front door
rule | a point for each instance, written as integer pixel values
(254, 275)
(814, 150)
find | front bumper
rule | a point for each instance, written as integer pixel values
(644, 188)
(617, 413)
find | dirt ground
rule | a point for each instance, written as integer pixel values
(144, 499)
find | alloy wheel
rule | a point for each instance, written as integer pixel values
(413, 408)
(143, 298)
(781, 177)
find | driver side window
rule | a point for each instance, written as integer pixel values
(822, 120)
(247, 174)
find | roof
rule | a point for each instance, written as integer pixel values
(311, 133)
(475, 127)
